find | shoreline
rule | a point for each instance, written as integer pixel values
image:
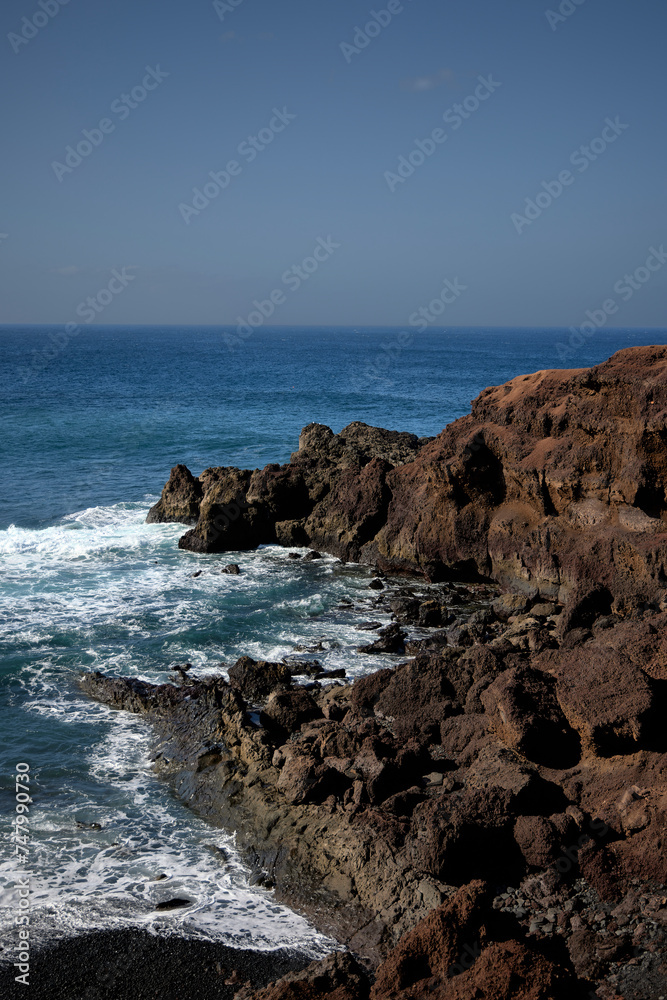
(132, 964)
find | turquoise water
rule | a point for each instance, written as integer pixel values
(88, 440)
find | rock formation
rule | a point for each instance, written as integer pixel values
(488, 817)
(554, 479)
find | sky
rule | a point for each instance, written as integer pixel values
(364, 156)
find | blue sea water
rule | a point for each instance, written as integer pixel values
(90, 431)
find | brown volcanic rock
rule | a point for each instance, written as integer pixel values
(501, 491)
(523, 711)
(607, 687)
(554, 479)
(452, 955)
(256, 679)
(353, 512)
(180, 499)
(366, 806)
(337, 977)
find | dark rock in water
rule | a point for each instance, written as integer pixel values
(368, 626)
(182, 670)
(181, 499)
(256, 679)
(159, 878)
(88, 826)
(317, 647)
(294, 555)
(405, 609)
(233, 569)
(173, 904)
(438, 640)
(432, 614)
(300, 666)
(312, 555)
(198, 573)
(392, 640)
(376, 585)
(330, 674)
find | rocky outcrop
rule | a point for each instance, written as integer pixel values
(486, 818)
(478, 820)
(555, 480)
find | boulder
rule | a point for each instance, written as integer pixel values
(256, 679)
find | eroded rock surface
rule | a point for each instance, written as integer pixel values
(488, 817)
(554, 479)
(488, 797)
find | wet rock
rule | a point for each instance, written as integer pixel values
(173, 904)
(180, 500)
(233, 569)
(376, 585)
(392, 640)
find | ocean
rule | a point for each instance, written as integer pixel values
(91, 427)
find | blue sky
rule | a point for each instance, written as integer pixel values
(219, 76)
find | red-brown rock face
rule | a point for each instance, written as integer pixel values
(553, 479)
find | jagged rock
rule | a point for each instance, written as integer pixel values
(510, 604)
(459, 952)
(173, 904)
(180, 500)
(337, 977)
(392, 640)
(285, 711)
(519, 490)
(523, 711)
(256, 679)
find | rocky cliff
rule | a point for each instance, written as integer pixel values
(554, 479)
(488, 817)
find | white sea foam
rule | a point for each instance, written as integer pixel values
(104, 590)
